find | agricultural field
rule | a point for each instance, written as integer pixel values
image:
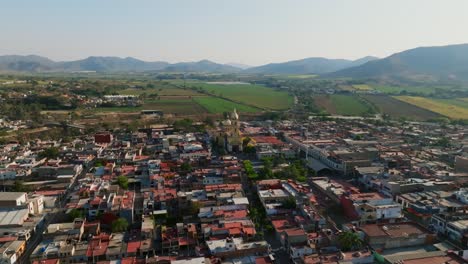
(461, 102)
(422, 90)
(436, 105)
(173, 106)
(338, 104)
(399, 109)
(362, 87)
(248, 94)
(166, 91)
(218, 105)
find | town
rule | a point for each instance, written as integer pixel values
(319, 190)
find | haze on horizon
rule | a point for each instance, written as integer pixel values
(251, 32)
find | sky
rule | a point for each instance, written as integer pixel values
(252, 32)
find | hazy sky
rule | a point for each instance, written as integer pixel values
(245, 31)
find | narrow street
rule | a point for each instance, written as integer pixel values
(49, 218)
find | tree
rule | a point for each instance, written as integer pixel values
(75, 213)
(20, 187)
(349, 240)
(245, 142)
(50, 153)
(122, 181)
(119, 225)
(267, 171)
(289, 203)
(194, 208)
(249, 170)
(186, 167)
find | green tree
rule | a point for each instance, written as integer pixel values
(50, 153)
(20, 187)
(349, 240)
(267, 171)
(75, 213)
(249, 170)
(122, 181)
(119, 225)
(289, 203)
(186, 167)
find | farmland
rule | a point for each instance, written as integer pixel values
(248, 94)
(410, 89)
(399, 109)
(343, 104)
(164, 91)
(362, 87)
(218, 105)
(438, 106)
(173, 106)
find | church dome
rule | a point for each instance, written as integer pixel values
(227, 122)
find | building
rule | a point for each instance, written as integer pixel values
(228, 136)
(396, 235)
(461, 164)
(13, 199)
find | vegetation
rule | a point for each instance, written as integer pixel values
(49, 153)
(248, 94)
(218, 105)
(344, 105)
(186, 167)
(289, 203)
(249, 170)
(20, 187)
(119, 225)
(75, 213)
(394, 108)
(122, 181)
(349, 241)
(451, 111)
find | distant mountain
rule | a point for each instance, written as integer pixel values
(111, 64)
(307, 66)
(201, 66)
(443, 63)
(30, 63)
(239, 65)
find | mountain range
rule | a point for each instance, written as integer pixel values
(308, 66)
(33, 63)
(442, 63)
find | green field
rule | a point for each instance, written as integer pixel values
(399, 109)
(218, 105)
(410, 89)
(444, 107)
(248, 94)
(172, 106)
(362, 87)
(166, 91)
(462, 102)
(338, 104)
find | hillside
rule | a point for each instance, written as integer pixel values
(110, 64)
(445, 63)
(308, 66)
(30, 63)
(201, 66)
(33, 63)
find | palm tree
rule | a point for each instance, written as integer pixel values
(349, 240)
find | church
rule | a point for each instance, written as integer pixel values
(228, 134)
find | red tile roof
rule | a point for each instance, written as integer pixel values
(133, 246)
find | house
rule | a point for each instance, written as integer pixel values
(395, 235)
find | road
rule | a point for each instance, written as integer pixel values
(49, 218)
